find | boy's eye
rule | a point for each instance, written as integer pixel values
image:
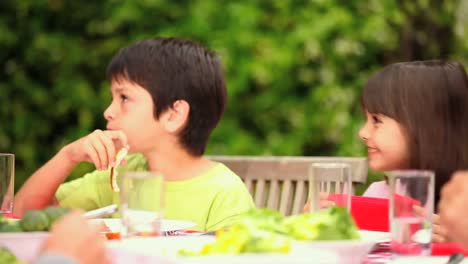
(123, 98)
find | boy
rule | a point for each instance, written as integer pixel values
(167, 96)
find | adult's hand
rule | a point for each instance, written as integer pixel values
(453, 207)
(72, 236)
(439, 232)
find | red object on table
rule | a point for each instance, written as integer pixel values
(10, 215)
(445, 249)
(371, 213)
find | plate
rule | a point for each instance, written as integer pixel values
(167, 225)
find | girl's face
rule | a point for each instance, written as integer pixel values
(387, 144)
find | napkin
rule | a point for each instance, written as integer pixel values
(370, 213)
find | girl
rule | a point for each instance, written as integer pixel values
(417, 118)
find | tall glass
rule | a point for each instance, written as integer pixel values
(7, 182)
(329, 184)
(410, 211)
(141, 195)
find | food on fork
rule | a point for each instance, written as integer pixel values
(113, 170)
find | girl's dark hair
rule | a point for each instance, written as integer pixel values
(172, 69)
(430, 100)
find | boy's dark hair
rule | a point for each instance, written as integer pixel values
(172, 69)
(430, 100)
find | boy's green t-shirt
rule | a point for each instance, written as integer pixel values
(213, 200)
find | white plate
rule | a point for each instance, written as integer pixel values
(167, 225)
(174, 225)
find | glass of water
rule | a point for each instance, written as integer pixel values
(329, 184)
(410, 211)
(141, 195)
(7, 182)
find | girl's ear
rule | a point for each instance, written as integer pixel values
(175, 118)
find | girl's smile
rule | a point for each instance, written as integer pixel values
(386, 143)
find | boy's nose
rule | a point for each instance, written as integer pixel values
(108, 113)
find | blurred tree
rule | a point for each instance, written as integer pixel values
(294, 68)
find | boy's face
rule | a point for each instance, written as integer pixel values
(131, 111)
(386, 142)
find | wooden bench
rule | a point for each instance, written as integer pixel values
(281, 182)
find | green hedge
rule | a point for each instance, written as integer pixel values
(294, 68)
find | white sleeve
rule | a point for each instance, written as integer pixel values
(378, 189)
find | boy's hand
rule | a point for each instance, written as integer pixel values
(100, 147)
(74, 237)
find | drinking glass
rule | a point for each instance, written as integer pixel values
(141, 195)
(410, 211)
(7, 182)
(329, 184)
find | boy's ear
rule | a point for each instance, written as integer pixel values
(175, 118)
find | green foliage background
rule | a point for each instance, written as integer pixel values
(294, 68)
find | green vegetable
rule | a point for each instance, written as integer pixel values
(7, 225)
(12, 226)
(53, 213)
(34, 220)
(265, 230)
(3, 219)
(7, 257)
(263, 219)
(262, 241)
(334, 223)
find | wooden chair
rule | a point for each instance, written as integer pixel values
(281, 182)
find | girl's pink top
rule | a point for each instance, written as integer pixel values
(378, 189)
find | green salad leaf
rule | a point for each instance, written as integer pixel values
(266, 230)
(7, 257)
(334, 223)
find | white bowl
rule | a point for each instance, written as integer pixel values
(349, 251)
(320, 252)
(165, 249)
(25, 246)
